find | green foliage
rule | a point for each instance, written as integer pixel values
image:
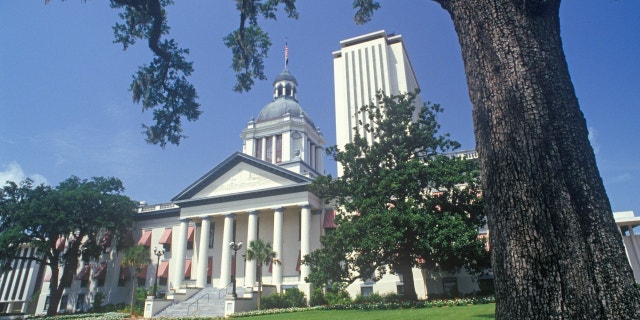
(136, 257)
(403, 203)
(76, 209)
(161, 86)
(291, 298)
(98, 300)
(317, 298)
(337, 294)
(372, 298)
(249, 44)
(263, 254)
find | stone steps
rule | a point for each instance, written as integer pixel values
(207, 302)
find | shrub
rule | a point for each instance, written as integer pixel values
(317, 298)
(372, 298)
(291, 298)
(336, 294)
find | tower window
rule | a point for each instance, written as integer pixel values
(279, 148)
(268, 157)
(258, 148)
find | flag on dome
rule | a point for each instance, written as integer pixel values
(286, 54)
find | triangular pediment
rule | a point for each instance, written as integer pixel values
(240, 174)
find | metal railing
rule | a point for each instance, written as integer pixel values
(197, 303)
(225, 290)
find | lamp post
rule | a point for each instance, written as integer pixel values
(158, 254)
(235, 247)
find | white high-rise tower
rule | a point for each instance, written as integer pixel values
(363, 66)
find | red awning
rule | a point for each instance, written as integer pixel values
(187, 268)
(190, 233)
(106, 239)
(298, 263)
(329, 219)
(102, 271)
(163, 269)
(125, 274)
(84, 273)
(145, 239)
(142, 273)
(210, 267)
(60, 243)
(166, 236)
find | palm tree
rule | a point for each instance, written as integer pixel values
(263, 254)
(136, 258)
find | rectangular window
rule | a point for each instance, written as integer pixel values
(212, 228)
(279, 148)
(258, 148)
(80, 302)
(366, 291)
(47, 301)
(268, 148)
(63, 303)
(450, 286)
(142, 282)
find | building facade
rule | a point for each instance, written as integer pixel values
(260, 193)
(365, 65)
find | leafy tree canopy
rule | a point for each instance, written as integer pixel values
(403, 203)
(84, 213)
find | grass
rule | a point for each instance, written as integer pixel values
(474, 312)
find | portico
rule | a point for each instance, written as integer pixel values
(244, 199)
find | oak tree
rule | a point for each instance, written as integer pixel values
(403, 203)
(77, 220)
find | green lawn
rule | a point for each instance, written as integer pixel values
(474, 312)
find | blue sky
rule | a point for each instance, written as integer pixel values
(66, 109)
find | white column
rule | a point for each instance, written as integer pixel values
(278, 221)
(252, 235)
(305, 242)
(227, 237)
(203, 258)
(181, 252)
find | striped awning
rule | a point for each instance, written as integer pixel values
(84, 273)
(166, 236)
(145, 239)
(101, 273)
(187, 268)
(329, 219)
(163, 269)
(190, 233)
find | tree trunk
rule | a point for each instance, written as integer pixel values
(405, 268)
(54, 293)
(133, 290)
(557, 253)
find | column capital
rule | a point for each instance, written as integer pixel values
(208, 218)
(304, 205)
(184, 220)
(230, 215)
(281, 209)
(253, 212)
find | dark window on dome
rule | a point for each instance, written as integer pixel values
(258, 149)
(288, 90)
(268, 141)
(279, 148)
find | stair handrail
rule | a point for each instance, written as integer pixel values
(196, 303)
(225, 289)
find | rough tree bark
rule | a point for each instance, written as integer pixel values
(557, 253)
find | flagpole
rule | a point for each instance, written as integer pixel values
(286, 53)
